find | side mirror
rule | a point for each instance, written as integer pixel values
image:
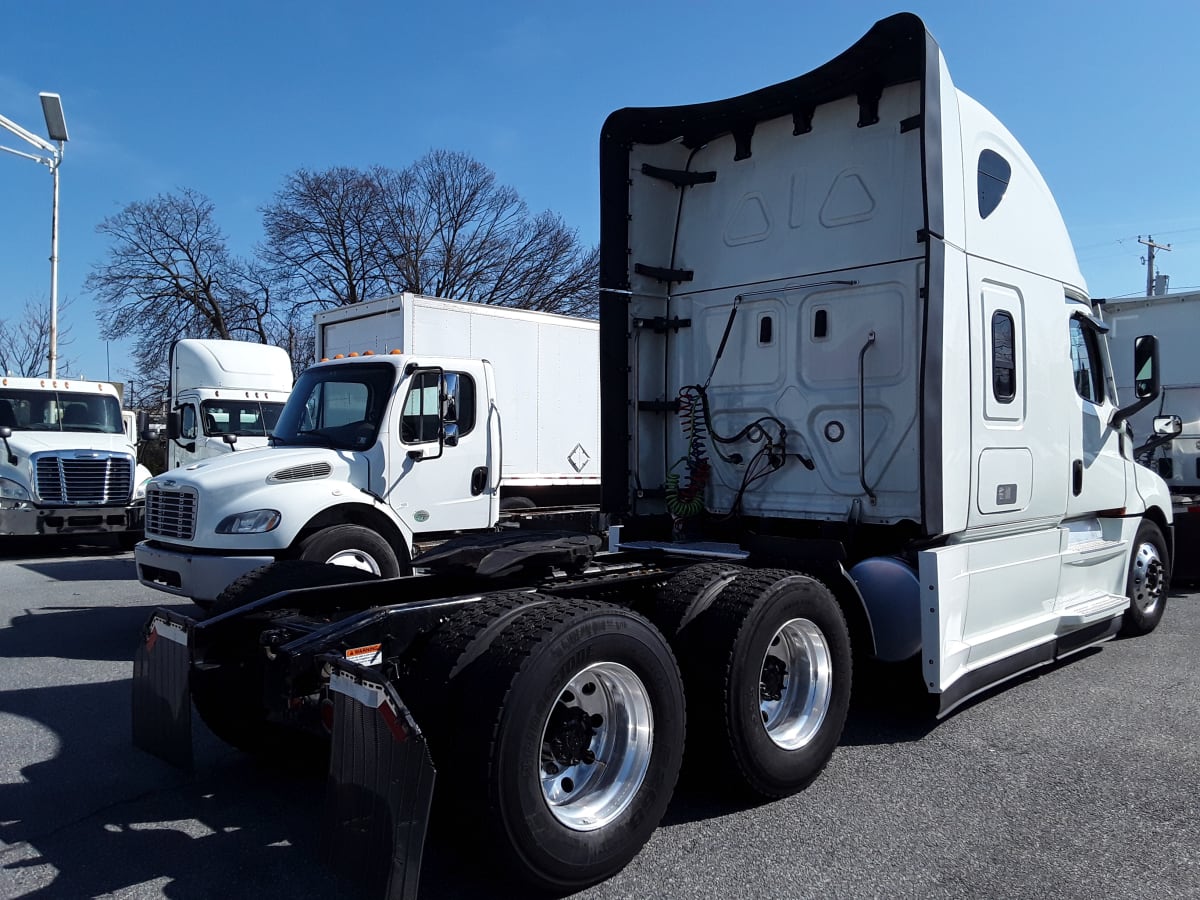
(450, 435)
(1146, 385)
(173, 426)
(5, 432)
(1145, 367)
(143, 426)
(230, 439)
(1168, 426)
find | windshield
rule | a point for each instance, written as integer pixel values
(245, 418)
(336, 406)
(60, 411)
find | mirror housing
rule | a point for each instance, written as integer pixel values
(1146, 383)
(173, 425)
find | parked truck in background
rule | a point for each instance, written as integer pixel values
(1167, 433)
(68, 465)
(379, 450)
(856, 406)
(223, 395)
(547, 383)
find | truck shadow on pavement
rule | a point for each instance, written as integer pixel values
(54, 546)
(77, 632)
(117, 568)
(101, 816)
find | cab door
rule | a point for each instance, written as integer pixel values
(440, 451)
(1096, 480)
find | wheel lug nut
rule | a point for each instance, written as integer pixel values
(596, 720)
(550, 768)
(589, 757)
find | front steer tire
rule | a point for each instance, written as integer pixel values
(354, 547)
(546, 706)
(1147, 582)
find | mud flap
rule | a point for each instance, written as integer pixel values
(380, 785)
(162, 703)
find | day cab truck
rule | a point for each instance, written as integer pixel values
(857, 407)
(381, 450)
(68, 466)
(1167, 434)
(223, 396)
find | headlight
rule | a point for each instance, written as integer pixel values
(139, 492)
(13, 490)
(256, 521)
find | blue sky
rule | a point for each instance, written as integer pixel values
(227, 98)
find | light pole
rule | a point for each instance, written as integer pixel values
(56, 128)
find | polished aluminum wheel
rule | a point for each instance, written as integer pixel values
(596, 746)
(796, 684)
(1148, 578)
(355, 559)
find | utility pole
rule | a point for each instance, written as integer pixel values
(1151, 247)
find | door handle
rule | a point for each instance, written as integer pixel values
(479, 480)
(1077, 477)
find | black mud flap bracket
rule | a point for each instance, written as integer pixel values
(162, 701)
(380, 785)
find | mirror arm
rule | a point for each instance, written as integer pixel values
(1120, 415)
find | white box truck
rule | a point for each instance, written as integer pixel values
(223, 395)
(67, 464)
(391, 445)
(857, 407)
(1167, 434)
(548, 386)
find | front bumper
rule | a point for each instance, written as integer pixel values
(196, 575)
(30, 520)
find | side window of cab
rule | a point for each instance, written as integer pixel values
(1086, 362)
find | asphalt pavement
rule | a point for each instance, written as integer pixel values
(1080, 782)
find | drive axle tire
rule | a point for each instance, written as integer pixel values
(353, 547)
(563, 736)
(688, 594)
(1148, 581)
(768, 673)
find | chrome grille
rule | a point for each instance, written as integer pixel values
(94, 480)
(170, 514)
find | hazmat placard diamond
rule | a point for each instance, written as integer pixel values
(578, 458)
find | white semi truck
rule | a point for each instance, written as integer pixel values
(386, 447)
(856, 406)
(68, 466)
(1168, 432)
(223, 395)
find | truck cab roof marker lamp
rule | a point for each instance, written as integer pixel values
(394, 352)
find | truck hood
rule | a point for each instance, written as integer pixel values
(27, 442)
(249, 468)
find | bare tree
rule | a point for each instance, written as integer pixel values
(322, 229)
(442, 226)
(169, 274)
(25, 342)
